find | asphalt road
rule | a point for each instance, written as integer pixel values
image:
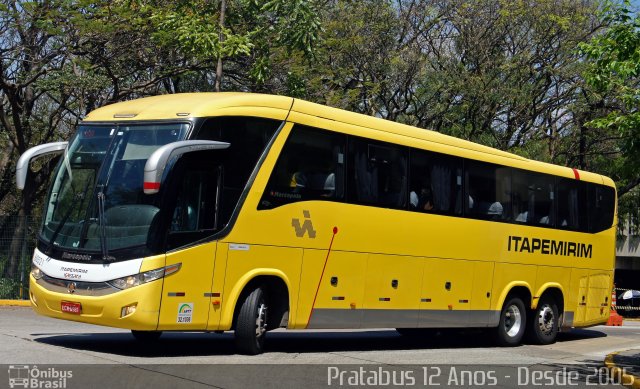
(299, 358)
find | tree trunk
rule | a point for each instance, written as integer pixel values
(223, 8)
(582, 164)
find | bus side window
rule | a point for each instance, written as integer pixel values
(194, 212)
(435, 184)
(488, 190)
(194, 209)
(377, 173)
(533, 198)
(310, 167)
(601, 207)
(572, 205)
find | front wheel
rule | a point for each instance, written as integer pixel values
(513, 319)
(251, 324)
(543, 326)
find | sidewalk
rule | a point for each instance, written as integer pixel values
(625, 365)
(19, 303)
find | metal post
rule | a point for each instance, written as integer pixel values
(23, 252)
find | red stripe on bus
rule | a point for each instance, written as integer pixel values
(576, 173)
(313, 304)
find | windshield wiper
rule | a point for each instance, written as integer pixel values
(103, 226)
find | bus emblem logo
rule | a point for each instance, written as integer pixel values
(306, 227)
(71, 287)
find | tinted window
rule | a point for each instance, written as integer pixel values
(248, 138)
(488, 191)
(533, 198)
(377, 173)
(572, 205)
(195, 205)
(602, 206)
(436, 183)
(310, 167)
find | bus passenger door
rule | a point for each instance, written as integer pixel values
(186, 294)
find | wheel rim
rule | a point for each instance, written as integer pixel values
(261, 321)
(546, 320)
(512, 320)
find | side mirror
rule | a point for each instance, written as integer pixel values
(157, 162)
(22, 168)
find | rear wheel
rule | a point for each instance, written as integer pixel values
(146, 336)
(543, 325)
(513, 319)
(251, 324)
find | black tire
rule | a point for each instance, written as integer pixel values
(543, 324)
(251, 324)
(146, 336)
(513, 320)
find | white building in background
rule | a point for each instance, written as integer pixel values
(628, 249)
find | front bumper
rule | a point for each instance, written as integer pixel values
(104, 309)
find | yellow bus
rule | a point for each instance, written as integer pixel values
(249, 212)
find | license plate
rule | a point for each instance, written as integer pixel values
(71, 307)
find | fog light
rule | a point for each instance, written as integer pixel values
(128, 310)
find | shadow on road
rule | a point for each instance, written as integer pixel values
(176, 344)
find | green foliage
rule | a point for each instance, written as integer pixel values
(197, 32)
(614, 75)
(10, 289)
(252, 31)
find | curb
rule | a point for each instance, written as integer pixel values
(618, 374)
(15, 303)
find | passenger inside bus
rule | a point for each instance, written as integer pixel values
(422, 200)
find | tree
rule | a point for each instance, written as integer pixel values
(31, 55)
(502, 73)
(60, 59)
(241, 33)
(614, 75)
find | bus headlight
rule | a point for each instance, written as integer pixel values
(36, 272)
(142, 278)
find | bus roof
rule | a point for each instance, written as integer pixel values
(186, 105)
(198, 105)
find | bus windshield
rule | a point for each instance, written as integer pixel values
(96, 200)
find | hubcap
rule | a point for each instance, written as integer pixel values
(512, 321)
(546, 320)
(261, 320)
